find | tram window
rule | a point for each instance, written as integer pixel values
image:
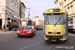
(45, 20)
(64, 21)
(55, 18)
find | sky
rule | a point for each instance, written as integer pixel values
(37, 7)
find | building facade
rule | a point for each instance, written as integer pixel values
(58, 3)
(41, 22)
(68, 5)
(36, 19)
(22, 12)
(9, 12)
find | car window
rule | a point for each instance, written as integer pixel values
(32, 27)
(28, 27)
(22, 27)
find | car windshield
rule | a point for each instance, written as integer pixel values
(39, 26)
(27, 27)
(55, 18)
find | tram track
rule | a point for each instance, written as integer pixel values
(53, 46)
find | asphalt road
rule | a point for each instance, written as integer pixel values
(10, 41)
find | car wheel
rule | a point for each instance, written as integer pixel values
(18, 36)
(34, 33)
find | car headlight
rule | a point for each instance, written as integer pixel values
(18, 31)
(29, 32)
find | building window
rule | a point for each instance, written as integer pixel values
(71, 6)
(11, 5)
(15, 4)
(61, 6)
(68, 8)
(64, 0)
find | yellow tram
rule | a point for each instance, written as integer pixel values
(56, 24)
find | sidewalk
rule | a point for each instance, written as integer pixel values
(7, 32)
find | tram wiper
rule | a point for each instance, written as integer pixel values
(57, 21)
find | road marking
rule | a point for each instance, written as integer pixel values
(31, 45)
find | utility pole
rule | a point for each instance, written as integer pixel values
(28, 12)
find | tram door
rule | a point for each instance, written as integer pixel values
(0, 23)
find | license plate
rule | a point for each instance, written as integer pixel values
(53, 40)
(54, 33)
(23, 34)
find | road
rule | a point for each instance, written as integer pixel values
(10, 41)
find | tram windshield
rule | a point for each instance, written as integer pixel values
(55, 18)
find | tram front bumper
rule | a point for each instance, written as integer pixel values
(54, 37)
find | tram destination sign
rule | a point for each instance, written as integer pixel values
(54, 10)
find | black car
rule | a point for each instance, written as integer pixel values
(38, 27)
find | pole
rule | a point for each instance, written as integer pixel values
(28, 12)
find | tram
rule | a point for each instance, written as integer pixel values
(56, 24)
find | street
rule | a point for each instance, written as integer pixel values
(10, 41)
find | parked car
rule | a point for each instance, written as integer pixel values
(38, 27)
(0, 28)
(26, 31)
(15, 29)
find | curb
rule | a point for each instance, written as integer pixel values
(1, 32)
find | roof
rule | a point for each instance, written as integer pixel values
(23, 4)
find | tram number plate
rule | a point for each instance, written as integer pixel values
(54, 40)
(54, 33)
